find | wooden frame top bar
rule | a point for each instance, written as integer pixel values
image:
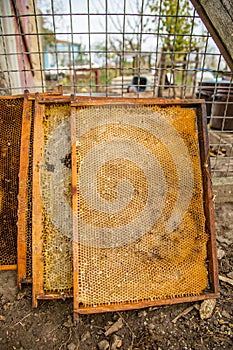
(88, 100)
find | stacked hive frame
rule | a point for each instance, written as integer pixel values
(132, 219)
(52, 215)
(24, 240)
(15, 121)
(12, 111)
(142, 235)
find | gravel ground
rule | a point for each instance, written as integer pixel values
(175, 327)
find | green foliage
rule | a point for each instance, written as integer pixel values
(48, 39)
(175, 25)
(46, 7)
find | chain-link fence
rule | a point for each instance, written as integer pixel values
(124, 48)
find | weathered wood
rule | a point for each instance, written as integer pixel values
(217, 15)
(162, 102)
(208, 198)
(23, 192)
(74, 209)
(37, 257)
(8, 267)
(142, 304)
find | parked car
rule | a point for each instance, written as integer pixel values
(140, 84)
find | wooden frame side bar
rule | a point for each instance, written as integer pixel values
(74, 210)
(208, 198)
(37, 258)
(23, 192)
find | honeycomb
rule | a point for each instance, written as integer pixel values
(10, 138)
(139, 230)
(28, 228)
(55, 184)
(25, 230)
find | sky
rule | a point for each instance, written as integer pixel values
(97, 23)
(89, 23)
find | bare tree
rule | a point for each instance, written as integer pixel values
(128, 38)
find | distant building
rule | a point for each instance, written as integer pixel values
(61, 54)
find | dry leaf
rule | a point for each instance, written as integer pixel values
(207, 308)
(115, 327)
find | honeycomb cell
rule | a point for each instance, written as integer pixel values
(140, 232)
(10, 138)
(55, 188)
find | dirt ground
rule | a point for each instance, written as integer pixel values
(50, 325)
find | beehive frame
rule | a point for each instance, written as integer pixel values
(41, 222)
(10, 155)
(212, 290)
(23, 197)
(24, 237)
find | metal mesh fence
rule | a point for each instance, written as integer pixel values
(124, 48)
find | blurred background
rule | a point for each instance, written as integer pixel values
(154, 48)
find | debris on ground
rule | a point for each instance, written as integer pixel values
(115, 327)
(207, 308)
(103, 345)
(168, 327)
(225, 279)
